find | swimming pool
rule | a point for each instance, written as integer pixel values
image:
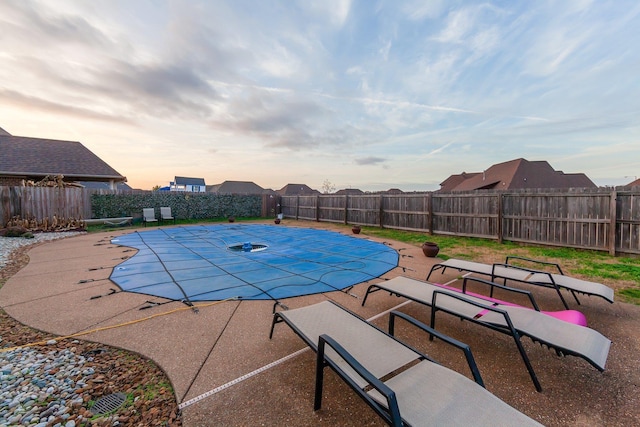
(247, 261)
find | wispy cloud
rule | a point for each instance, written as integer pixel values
(320, 86)
(366, 161)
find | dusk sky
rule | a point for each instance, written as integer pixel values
(365, 94)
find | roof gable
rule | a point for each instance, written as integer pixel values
(183, 180)
(516, 174)
(36, 157)
(297, 189)
(236, 187)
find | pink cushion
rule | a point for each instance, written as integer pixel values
(571, 316)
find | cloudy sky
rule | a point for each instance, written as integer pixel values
(363, 94)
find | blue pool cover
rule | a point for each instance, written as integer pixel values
(248, 261)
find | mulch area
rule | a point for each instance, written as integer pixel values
(152, 401)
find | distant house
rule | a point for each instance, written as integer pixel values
(297, 190)
(635, 183)
(24, 159)
(394, 191)
(349, 192)
(190, 185)
(235, 187)
(516, 174)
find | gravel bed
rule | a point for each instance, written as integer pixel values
(9, 244)
(55, 385)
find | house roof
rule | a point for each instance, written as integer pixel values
(297, 189)
(516, 174)
(183, 180)
(236, 187)
(635, 183)
(35, 158)
(349, 192)
(4, 132)
(454, 180)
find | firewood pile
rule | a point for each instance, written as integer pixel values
(55, 181)
(56, 224)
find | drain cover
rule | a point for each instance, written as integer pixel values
(247, 247)
(108, 403)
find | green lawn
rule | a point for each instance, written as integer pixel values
(622, 273)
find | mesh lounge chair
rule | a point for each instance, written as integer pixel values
(564, 337)
(423, 394)
(149, 215)
(165, 214)
(515, 273)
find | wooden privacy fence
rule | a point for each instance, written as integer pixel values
(603, 220)
(43, 202)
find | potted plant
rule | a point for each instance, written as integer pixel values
(232, 219)
(356, 229)
(430, 249)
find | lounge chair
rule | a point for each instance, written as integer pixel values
(425, 393)
(165, 214)
(516, 273)
(565, 338)
(148, 215)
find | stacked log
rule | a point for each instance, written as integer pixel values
(56, 224)
(55, 181)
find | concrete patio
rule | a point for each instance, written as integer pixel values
(211, 356)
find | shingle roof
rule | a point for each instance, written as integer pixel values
(236, 187)
(635, 183)
(35, 158)
(515, 174)
(183, 180)
(349, 192)
(297, 189)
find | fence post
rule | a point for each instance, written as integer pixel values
(612, 223)
(297, 206)
(430, 213)
(500, 214)
(381, 210)
(317, 208)
(346, 208)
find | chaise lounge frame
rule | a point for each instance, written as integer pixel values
(364, 356)
(508, 271)
(564, 337)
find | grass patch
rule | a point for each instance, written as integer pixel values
(617, 271)
(444, 242)
(631, 295)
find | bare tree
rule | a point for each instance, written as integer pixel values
(328, 187)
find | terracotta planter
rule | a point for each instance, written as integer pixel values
(231, 219)
(355, 229)
(430, 249)
(277, 220)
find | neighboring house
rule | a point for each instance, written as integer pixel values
(516, 174)
(349, 192)
(394, 191)
(297, 190)
(191, 185)
(24, 159)
(635, 183)
(235, 187)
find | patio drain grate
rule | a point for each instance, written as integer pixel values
(108, 403)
